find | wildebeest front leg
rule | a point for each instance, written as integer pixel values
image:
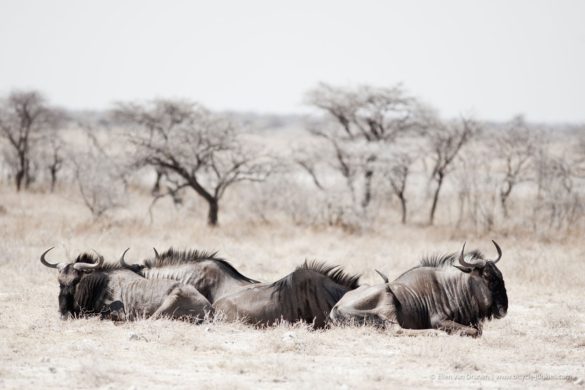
(167, 308)
(183, 301)
(454, 327)
(366, 304)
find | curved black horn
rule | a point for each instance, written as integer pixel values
(462, 258)
(384, 277)
(89, 267)
(122, 262)
(499, 252)
(155, 253)
(45, 262)
(475, 264)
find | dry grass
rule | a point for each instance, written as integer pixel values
(541, 343)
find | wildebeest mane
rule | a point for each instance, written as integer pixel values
(176, 257)
(311, 290)
(445, 260)
(438, 261)
(333, 272)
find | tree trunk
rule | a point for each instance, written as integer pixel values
(504, 194)
(367, 189)
(27, 177)
(53, 178)
(436, 199)
(212, 216)
(21, 173)
(18, 179)
(156, 187)
(403, 207)
(211, 199)
(503, 200)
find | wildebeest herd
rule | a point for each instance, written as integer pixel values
(455, 293)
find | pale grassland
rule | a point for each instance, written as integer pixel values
(540, 344)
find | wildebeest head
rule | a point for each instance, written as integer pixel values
(487, 282)
(70, 274)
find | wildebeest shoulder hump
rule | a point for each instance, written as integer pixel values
(333, 272)
(177, 257)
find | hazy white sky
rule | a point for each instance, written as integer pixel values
(489, 58)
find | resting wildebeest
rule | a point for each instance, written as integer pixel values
(210, 275)
(437, 294)
(307, 294)
(89, 287)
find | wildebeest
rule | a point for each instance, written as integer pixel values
(436, 294)
(212, 276)
(307, 294)
(90, 287)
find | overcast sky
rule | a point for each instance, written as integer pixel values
(492, 59)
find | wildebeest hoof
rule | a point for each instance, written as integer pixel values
(470, 333)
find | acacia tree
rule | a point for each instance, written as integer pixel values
(193, 148)
(397, 171)
(445, 142)
(515, 145)
(364, 118)
(476, 187)
(101, 184)
(52, 155)
(24, 117)
(558, 199)
(307, 159)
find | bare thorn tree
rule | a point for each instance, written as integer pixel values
(308, 162)
(397, 172)
(101, 183)
(515, 145)
(364, 115)
(24, 117)
(192, 147)
(52, 155)
(559, 198)
(446, 141)
(371, 113)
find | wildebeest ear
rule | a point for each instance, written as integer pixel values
(464, 269)
(136, 268)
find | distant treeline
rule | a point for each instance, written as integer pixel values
(367, 155)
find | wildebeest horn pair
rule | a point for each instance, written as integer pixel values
(77, 266)
(481, 263)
